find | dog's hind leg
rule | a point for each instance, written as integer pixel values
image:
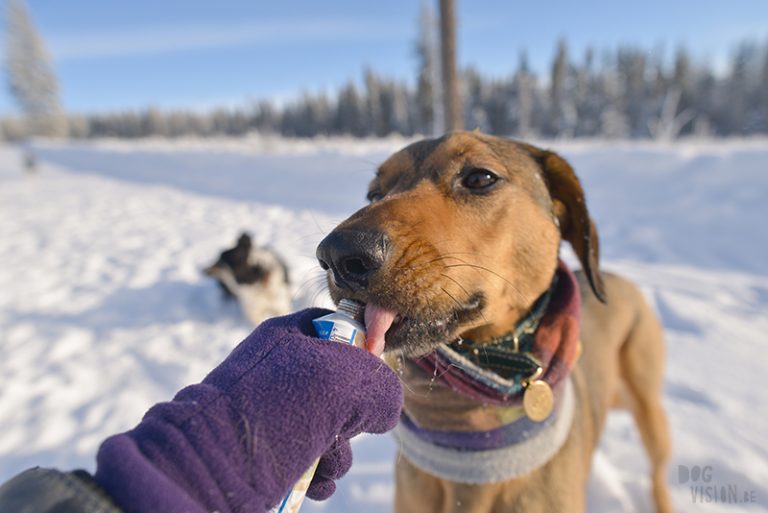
(642, 373)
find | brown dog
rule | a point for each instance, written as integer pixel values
(460, 239)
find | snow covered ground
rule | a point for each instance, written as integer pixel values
(103, 310)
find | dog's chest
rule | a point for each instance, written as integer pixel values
(433, 405)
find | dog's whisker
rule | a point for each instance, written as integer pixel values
(422, 265)
(480, 267)
(406, 385)
(316, 296)
(311, 284)
(473, 253)
(318, 276)
(447, 241)
(369, 162)
(447, 370)
(315, 234)
(323, 288)
(464, 263)
(482, 314)
(454, 253)
(320, 229)
(450, 296)
(398, 368)
(457, 284)
(304, 255)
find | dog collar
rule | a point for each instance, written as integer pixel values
(509, 357)
(491, 456)
(519, 341)
(498, 372)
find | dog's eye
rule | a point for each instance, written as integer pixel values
(479, 179)
(374, 195)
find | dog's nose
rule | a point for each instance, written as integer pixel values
(353, 255)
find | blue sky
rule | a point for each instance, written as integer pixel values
(112, 55)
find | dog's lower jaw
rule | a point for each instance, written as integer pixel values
(413, 338)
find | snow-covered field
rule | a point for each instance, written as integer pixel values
(103, 310)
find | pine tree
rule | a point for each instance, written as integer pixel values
(154, 123)
(402, 119)
(266, 117)
(30, 75)
(613, 119)
(477, 110)
(684, 78)
(586, 103)
(350, 112)
(763, 92)
(676, 111)
(631, 64)
(563, 112)
(524, 90)
(375, 124)
(739, 113)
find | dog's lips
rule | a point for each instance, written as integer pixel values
(378, 320)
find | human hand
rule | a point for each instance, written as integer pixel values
(244, 435)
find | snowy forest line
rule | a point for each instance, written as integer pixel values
(626, 92)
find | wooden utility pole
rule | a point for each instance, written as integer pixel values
(451, 99)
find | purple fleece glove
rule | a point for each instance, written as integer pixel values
(238, 441)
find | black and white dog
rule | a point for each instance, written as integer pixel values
(257, 277)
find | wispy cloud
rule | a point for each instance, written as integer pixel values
(155, 40)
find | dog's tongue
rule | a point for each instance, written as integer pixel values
(377, 321)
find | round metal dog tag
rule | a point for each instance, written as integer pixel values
(538, 400)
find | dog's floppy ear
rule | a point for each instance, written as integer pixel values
(244, 241)
(570, 207)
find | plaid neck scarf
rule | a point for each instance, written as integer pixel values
(495, 372)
